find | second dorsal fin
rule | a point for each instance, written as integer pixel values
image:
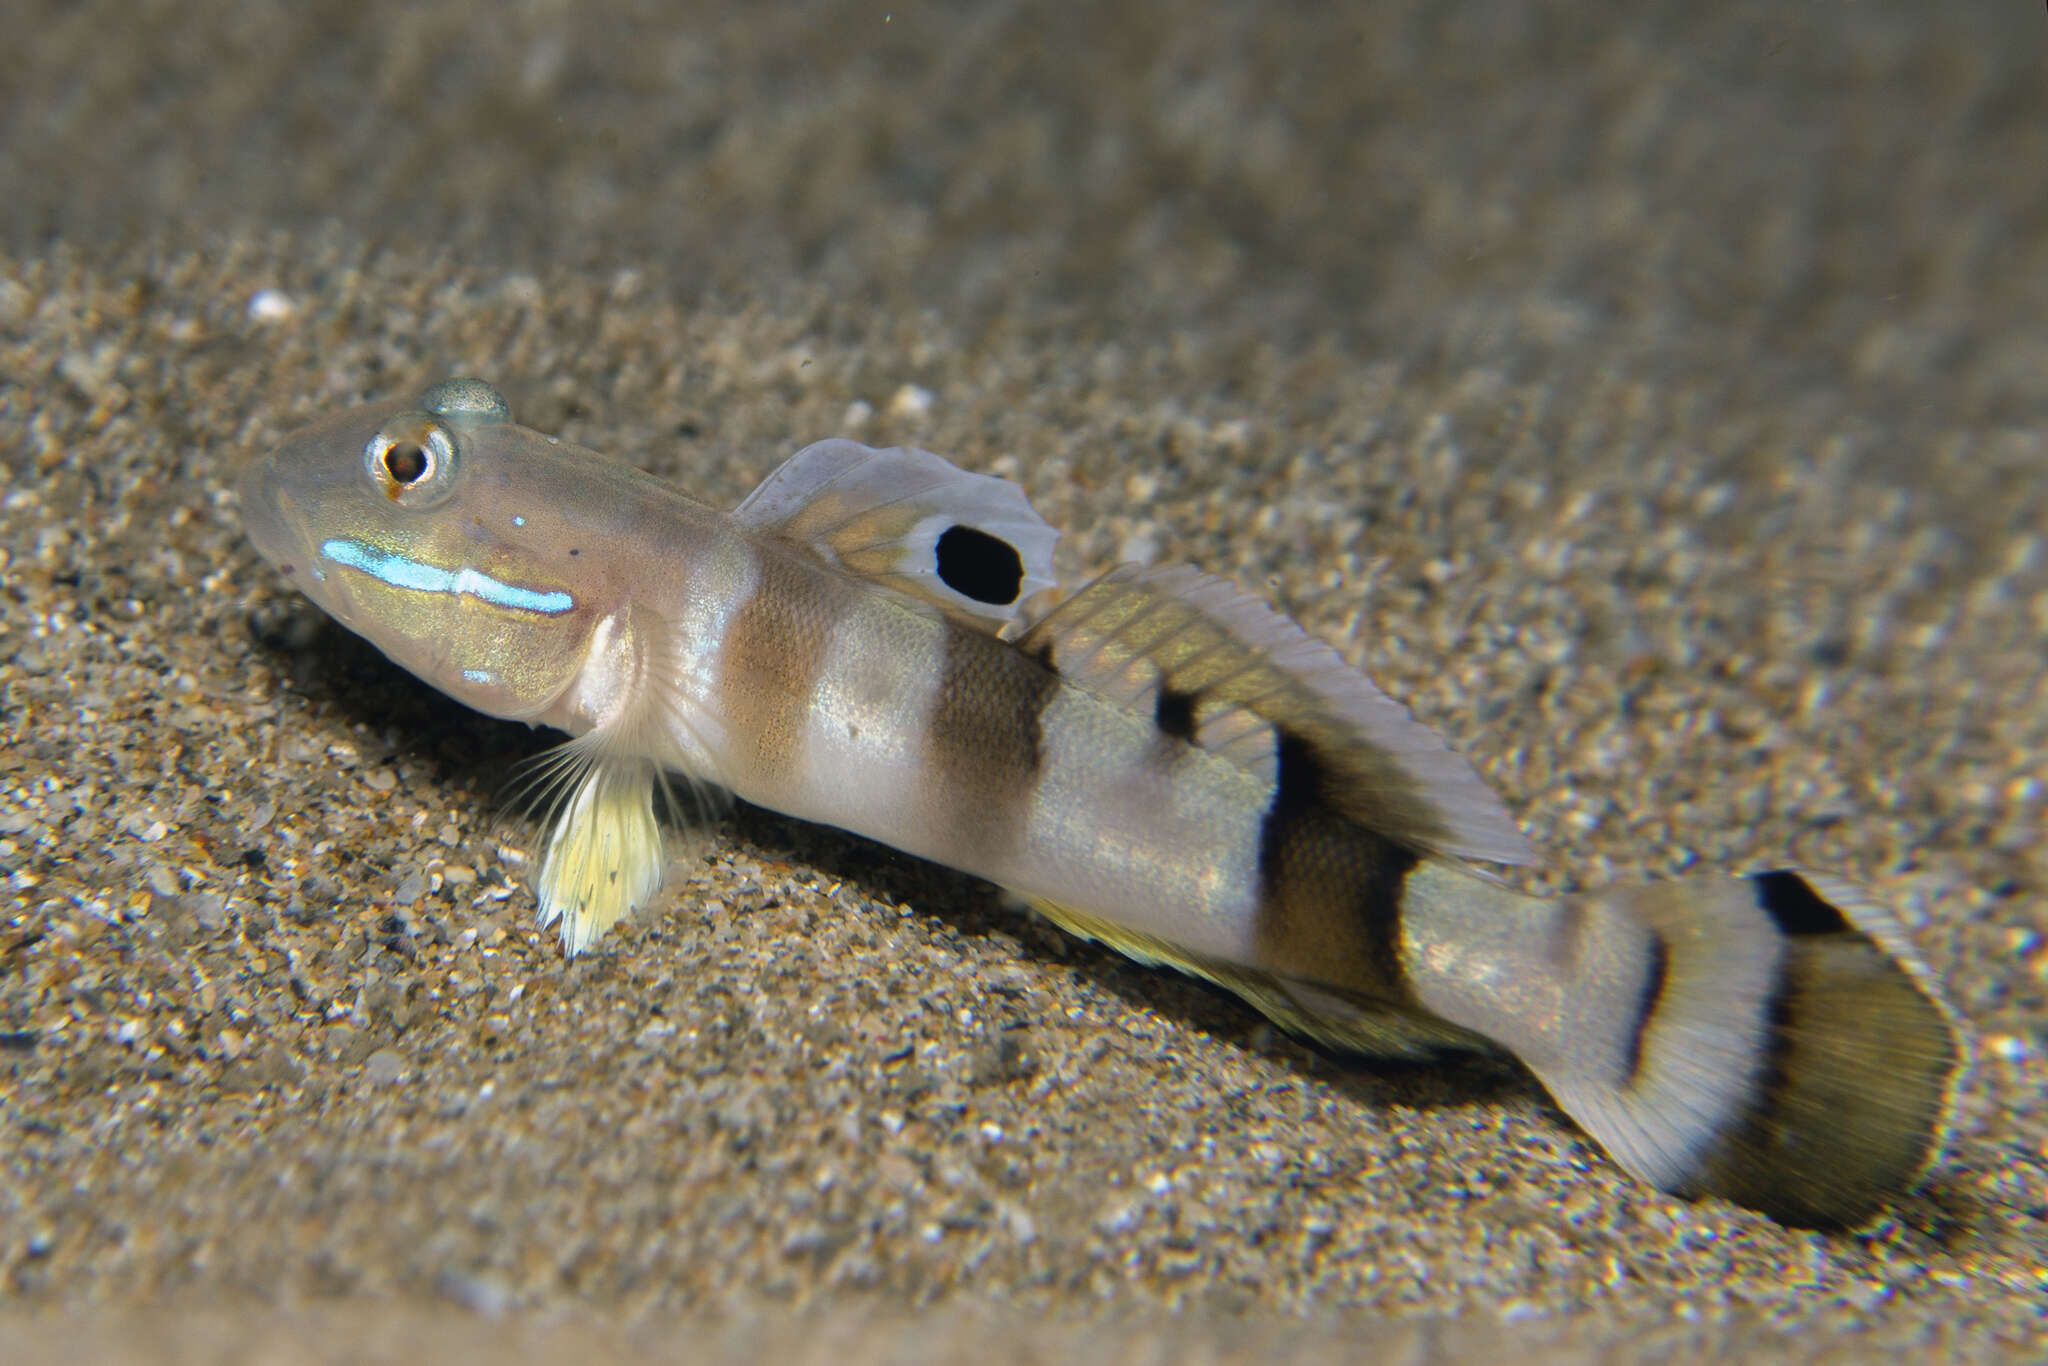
(1222, 670)
(970, 544)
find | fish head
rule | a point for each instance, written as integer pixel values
(453, 539)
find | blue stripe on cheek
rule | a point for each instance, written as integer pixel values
(477, 585)
(401, 571)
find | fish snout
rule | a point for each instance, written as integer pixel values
(272, 522)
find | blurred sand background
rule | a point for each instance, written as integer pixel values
(1650, 395)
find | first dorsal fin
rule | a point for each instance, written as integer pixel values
(970, 544)
(1224, 671)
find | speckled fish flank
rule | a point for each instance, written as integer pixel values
(874, 639)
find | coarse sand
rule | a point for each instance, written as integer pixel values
(1650, 396)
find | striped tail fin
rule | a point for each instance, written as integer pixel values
(1768, 1039)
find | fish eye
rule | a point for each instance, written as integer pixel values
(406, 462)
(411, 460)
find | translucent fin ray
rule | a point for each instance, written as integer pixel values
(1248, 677)
(605, 856)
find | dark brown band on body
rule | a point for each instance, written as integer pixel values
(1329, 891)
(771, 657)
(988, 738)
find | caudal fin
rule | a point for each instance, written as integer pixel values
(1771, 1039)
(1779, 1049)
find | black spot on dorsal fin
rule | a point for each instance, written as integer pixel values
(1794, 907)
(977, 565)
(1173, 712)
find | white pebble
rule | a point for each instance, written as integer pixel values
(911, 401)
(271, 306)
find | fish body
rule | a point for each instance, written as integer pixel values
(874, 640)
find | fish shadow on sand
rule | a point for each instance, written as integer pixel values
(334, 669)
(1945, 1212)
(978, 910)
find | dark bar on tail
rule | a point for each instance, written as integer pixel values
(1852, 1092)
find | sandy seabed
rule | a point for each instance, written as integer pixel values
(1652, 400)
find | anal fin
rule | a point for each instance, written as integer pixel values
(1331, 1017)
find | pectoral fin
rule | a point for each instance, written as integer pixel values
(605, 856)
